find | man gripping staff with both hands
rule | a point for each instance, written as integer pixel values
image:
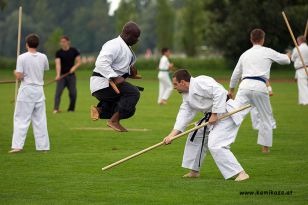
(115, 63)
(204, 94)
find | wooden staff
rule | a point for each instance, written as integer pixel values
(7, 81)
(61, 77)
(18, 46)
(306, 30)
(114, 87)
(175, 137)
(294, 41)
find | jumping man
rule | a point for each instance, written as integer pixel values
(116, 62)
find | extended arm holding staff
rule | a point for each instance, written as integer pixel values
(173, 138)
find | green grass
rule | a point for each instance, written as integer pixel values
(71, 172)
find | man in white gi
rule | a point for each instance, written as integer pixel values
(300, 75)
(253, 68)
(30, 103)
(116, 62)
(204, 94)
(165, 84)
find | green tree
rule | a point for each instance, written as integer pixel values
(127, 11)
(231, 22)
(193, 18)
(164, 24)
(52, 43)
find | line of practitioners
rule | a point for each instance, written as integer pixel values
(201, 94)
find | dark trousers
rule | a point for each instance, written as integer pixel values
(124, 103)
(69, 82)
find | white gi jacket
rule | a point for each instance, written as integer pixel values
(298, 65)
(256, 62)
(204, 95)
(114, 60)
(32, 65)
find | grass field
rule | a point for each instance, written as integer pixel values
(71, 172)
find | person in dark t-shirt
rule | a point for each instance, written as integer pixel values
(67, 61)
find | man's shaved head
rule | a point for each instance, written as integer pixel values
(301, 39)
(130, 33)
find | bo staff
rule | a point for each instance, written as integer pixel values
(7, 81)
(294, 41)
(61, 77)
(306, 30)
(114, 87)
(18, 46)
(175, 137)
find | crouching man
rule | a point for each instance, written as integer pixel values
(204, 94)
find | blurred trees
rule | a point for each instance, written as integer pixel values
(185, 26)
(230, 22)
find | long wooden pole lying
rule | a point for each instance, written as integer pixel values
(18, 46)
(175, 137)
(294, 41)
(306, 29)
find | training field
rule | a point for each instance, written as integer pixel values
(71, 172)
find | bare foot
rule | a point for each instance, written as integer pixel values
(192, 174)
(242, 176)
(163, 102)
(116, 126)
(15, 151)
(94, 113)
(265, 149)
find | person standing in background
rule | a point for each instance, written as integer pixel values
(165, 84)
(67, 61)
(300, 75)
(30, 103)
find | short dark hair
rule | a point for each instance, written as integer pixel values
(65, 37)
(164, 50)
(182, 74)
(33, 40)
(257, 35)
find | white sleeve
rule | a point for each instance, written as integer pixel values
(104, 61)
(237, 74)
(164, 63)
(279, 57)
(46, 64)
(219, 99)
(294, 55)
(185, 116)
(19, 66)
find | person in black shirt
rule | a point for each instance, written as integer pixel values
(67, 61)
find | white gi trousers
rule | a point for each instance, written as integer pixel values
(302, 84)
(218, 142)
(261, 101)
(26, 112)
(255, 119)
(165, 85)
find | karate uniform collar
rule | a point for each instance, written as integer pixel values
(257, 46)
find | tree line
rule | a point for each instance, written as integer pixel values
(191, 27)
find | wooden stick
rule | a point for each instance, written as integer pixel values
(7, 81)
(294, 41)
(114, 87)
(174, 138)
(61, 77)
(306, 30)
(18, 46)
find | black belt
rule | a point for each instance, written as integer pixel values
(123, 76)
(255, 78)
(204, 119)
